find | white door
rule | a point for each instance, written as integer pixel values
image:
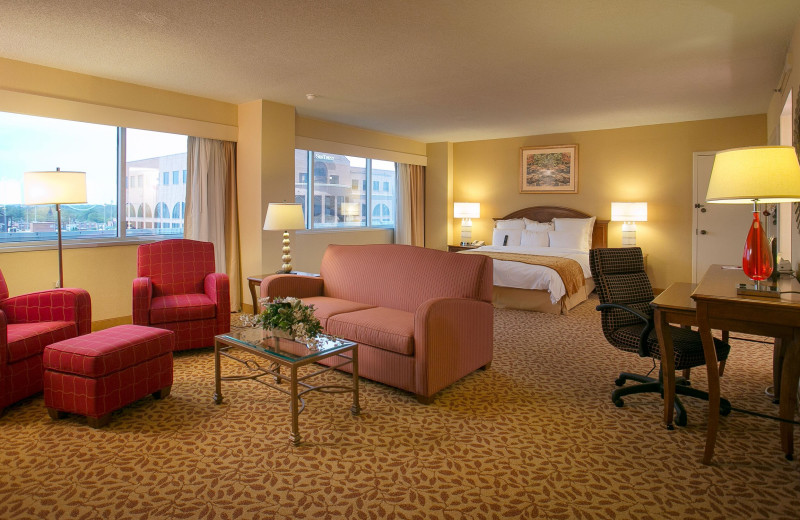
(719, 229)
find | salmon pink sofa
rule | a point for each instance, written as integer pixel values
(423, 318)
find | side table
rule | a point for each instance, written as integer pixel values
(255, 282)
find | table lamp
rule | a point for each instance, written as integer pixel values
(55, 188)
(629, 213)
(284, 216)
(466, 211)
(753, 175)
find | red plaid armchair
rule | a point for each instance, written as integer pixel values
(30, 322)
(178, 290)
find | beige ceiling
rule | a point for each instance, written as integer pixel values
(432, 70)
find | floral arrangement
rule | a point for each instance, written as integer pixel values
(289, 315)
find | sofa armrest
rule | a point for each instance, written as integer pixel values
(295, 285)
(69, 304)
(452, 338)
(217, 287)
(142, 296)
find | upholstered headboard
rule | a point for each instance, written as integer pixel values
(548, 213)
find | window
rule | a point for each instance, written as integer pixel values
(147, 154)
(31, 143)
(184, 176)
(338, 187)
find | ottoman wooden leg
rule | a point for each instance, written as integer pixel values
(98, 422)
(164, 392)
(56, 414)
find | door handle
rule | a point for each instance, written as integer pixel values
(703, 232)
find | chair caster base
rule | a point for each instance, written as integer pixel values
(670, 427)
(619, 403)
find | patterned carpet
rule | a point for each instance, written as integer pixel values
(535, 436)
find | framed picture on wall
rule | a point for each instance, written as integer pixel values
(549, 169)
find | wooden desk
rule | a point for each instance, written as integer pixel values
(719, 307)
(714, 304)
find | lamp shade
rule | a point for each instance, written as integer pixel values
(54, 187)
(629, 211)
(763, 173)
(282, 216)
(466, 209)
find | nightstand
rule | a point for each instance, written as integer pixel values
(455, 249)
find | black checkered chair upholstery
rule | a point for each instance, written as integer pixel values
(627, 319)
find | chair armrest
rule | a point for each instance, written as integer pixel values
(217, 287)
(644, 351)
(296, 285)
(142, 296)
(452, 338)
(3, 340)
(68, 304)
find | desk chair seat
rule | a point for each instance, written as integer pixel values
(627, 320)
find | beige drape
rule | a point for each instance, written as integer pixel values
(212, 212)
(410, 222)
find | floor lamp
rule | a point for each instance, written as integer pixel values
(55, 188)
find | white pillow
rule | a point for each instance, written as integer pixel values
(538, 226)
(513, 223)
(566, 239)
(499, 237)
(534, 239)
(581, 226)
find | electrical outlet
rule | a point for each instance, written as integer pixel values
(55, 285)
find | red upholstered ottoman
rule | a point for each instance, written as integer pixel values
(97, 373)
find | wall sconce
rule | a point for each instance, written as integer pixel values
(629, 213)
(466, 211)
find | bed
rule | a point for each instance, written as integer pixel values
(521, 285)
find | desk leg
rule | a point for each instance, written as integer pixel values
(667, 366)
(789, 377)
(713, 380)
(778, 354)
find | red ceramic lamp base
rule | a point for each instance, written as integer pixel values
(757, 255)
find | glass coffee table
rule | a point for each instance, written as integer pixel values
(281, 352)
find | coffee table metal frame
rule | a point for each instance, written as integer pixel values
(293, 356)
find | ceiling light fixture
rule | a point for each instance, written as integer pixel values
(311, 97)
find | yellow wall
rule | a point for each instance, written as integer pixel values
(647, 163)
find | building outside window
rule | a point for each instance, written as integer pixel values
(337, 201)
(175, 177)
(166, 178)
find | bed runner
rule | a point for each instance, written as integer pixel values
(569, 270)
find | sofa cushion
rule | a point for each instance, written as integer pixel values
(29, 339)
(381, 327)
(325, 307)
(181, 307)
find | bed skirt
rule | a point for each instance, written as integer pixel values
(538, 300)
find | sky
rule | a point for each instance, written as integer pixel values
(30, 143)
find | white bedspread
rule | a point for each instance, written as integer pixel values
(526, 276)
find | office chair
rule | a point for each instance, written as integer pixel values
(627, 320)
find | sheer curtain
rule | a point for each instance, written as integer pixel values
(409, 225)
(212, 212)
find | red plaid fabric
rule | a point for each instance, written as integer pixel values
(27, 324)
(178, 290)
(101, 372)
(97, 397)
(176, 266)
(181, 307)
(107, 351)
